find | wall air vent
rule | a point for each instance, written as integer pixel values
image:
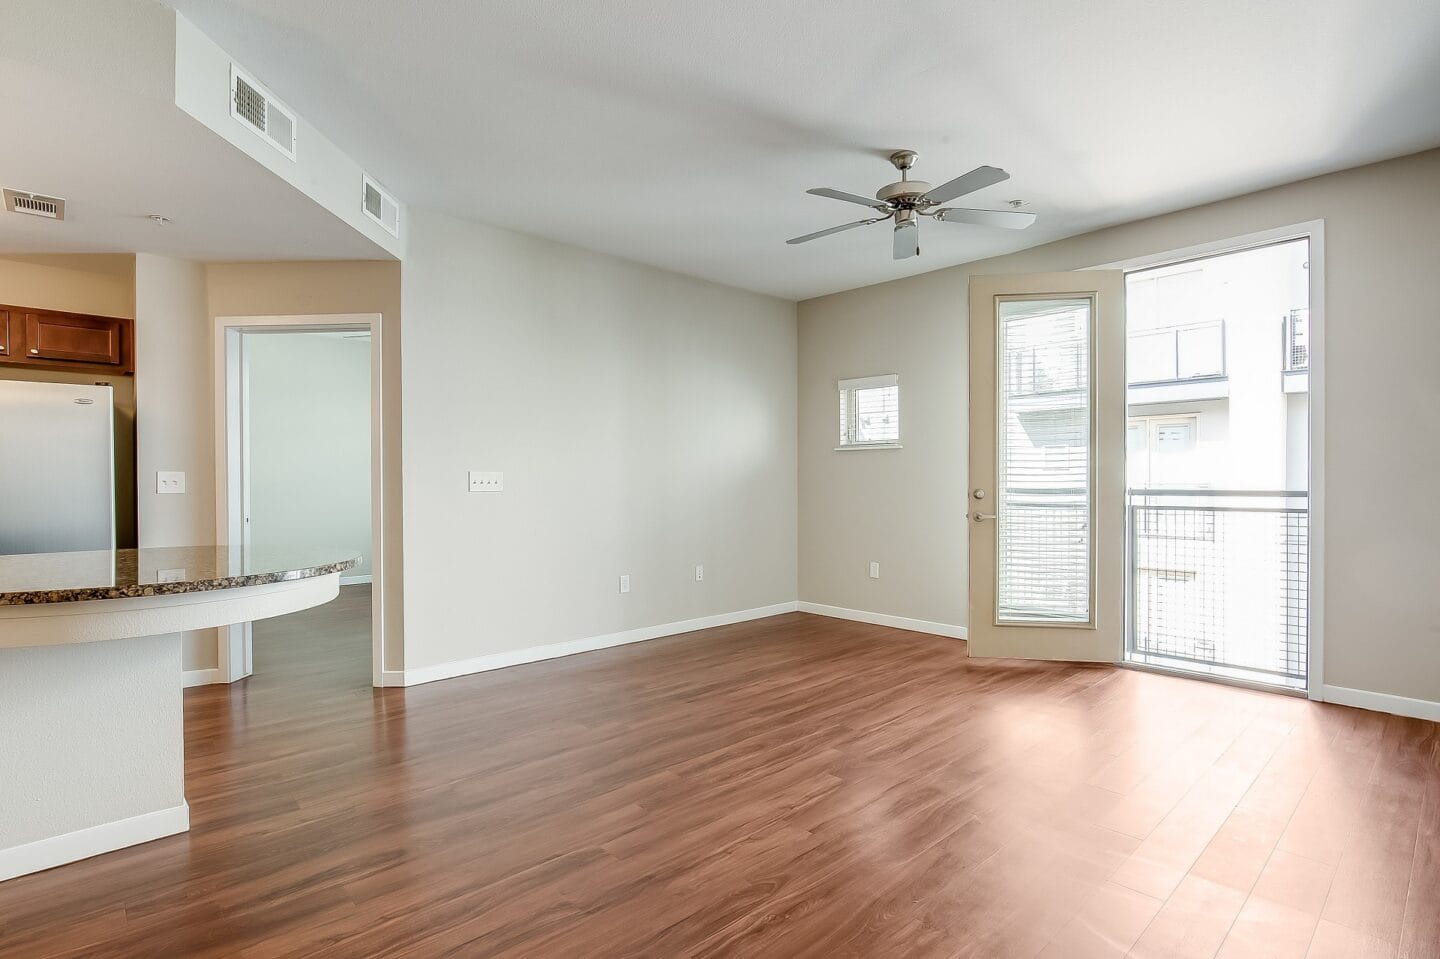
(379, 205)
(33, 204)
(256, 107)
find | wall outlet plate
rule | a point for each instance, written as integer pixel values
(169, 481)
(874, 570)
(483, 482)
(699, 573)
(625, 582)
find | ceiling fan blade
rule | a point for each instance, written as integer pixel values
(977, 179)
(1008, 219)
(847, 197)
(834, 229)
(907, 240)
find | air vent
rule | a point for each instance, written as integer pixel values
(257, 108)
(33, 204)
(379, 205)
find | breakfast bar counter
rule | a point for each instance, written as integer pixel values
(91, 722)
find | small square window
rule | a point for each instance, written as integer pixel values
(870, 412)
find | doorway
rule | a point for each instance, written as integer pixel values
(1218, 464)
(298, 458)
(1150, 491)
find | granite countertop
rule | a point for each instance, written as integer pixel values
(31, 578)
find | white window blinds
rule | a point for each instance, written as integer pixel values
(1043, 562)
(870, 411)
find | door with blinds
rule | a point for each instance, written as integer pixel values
(1047, 465)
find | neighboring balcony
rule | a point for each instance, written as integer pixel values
(1177, 363)
(1295, 344)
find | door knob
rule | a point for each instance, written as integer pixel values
(980, 517)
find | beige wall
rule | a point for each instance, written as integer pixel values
(644, 421)
(175, 415)
(99, 283)
(357, 286)
(906, 508)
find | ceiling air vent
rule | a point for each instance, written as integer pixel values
(379, 205)
(257, 108)
(33, 204)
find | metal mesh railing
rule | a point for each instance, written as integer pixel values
(1220, 578)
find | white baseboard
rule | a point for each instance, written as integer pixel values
(201, 677)
(84, 843)
(480, 664)
(1383, 702)
(357, 580)
(884, 619)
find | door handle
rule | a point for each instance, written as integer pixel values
(980, 517)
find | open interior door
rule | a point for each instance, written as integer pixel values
(1047, 465)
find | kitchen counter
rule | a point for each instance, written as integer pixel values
(34, 578)
(92, 739)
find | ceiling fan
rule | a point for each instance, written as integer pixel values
(907, 200)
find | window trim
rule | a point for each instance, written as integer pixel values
(847, 388)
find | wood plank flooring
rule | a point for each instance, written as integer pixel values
(796, 786)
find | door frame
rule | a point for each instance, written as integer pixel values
(236, 660)
(1314, 230)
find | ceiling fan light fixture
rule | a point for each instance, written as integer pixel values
(907, 235)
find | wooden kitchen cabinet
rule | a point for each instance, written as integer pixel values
(53, 339)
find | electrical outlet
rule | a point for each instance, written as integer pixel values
(874, 570)
(699, 574)
(624, 582)
(169, 481)
(486, 482)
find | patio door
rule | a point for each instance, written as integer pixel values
(1047, 465)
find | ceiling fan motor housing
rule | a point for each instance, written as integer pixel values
(907, 192)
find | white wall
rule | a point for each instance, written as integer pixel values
(93, 734)
(644, 421)
(320, 170)
(308, 416)
(906, 508)
(175, 415)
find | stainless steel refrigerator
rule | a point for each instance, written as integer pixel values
(57, 467)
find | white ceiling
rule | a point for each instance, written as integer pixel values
(86, 90)
(683, 133)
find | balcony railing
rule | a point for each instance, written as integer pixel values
(1296, 345)
(1219, 579)
(1176, 354)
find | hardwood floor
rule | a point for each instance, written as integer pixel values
(796, 786)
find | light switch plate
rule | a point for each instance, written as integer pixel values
(169, 481)
(625, 582)
(874, 570)
(699, 573)
(482, 482)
